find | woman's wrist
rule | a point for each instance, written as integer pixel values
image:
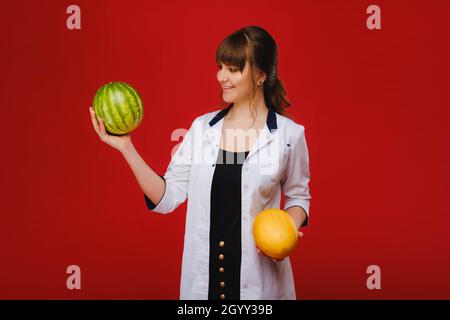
(127, 149)
(298, 215)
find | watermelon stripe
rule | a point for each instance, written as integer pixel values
(101, 107)
(130, 99)
(131, 103)
(115, 108)
(109, 111)
(137, 105)
(140, 107)
(138, 100)
(126, 107)
(98, 102)
(102, 104)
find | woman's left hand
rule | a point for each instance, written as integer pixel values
(300, 234)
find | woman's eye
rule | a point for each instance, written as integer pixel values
(232, 69)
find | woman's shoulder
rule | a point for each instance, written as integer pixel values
(290, 124)
(205, 118)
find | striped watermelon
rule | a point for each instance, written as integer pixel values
(120, 107)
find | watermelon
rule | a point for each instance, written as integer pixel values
(120, 107)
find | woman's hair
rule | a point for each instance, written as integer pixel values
(256, 46)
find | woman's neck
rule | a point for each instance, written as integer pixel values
(243, 110)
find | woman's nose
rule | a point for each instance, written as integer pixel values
(221, 76)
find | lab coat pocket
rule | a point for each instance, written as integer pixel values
(270, 179)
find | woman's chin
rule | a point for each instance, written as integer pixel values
(227, 98)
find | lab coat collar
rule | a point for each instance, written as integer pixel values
(213, 134)
(271, 121)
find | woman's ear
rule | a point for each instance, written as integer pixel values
(261, 79)
(259, 76)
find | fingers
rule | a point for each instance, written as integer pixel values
(98, 125)
(262, 253)
(94, 121)
(102, 128)
(300, 234)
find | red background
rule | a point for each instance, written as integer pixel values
(375, 105)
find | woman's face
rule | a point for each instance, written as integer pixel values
(236, 85)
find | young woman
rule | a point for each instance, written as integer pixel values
(232, 164)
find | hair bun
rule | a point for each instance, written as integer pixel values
(273, 76)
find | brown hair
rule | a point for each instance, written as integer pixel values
(256, 45)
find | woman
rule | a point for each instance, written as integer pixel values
(232, 164)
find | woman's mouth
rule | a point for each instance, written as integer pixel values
(227, 88)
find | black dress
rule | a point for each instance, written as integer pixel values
(225, 227)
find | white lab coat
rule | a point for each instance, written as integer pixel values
(277, 162)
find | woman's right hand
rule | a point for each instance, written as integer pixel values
(300, 234)
(120, 143)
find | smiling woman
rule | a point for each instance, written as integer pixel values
(220, 256)
(253, 48)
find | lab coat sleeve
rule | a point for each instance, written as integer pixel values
(295, 184)
(176, 177)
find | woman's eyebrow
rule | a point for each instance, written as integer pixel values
(228, 64)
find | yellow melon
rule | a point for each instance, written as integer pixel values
(275, 233)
